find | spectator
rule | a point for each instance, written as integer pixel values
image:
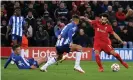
(129, 31)
(32, 25)
(89, 13)
(116, 5)
(10, 8)
(17, 4)
(50, 30)
(120, 16)
(30, 8)
(39, 23)
(52, 7)
(105, 6)
(82, 39)
(58, 28)
(116, 28)
(96, 8)
(4, 10)
(3, 32)
(129, 15)
(61, 12)
(83, 6)
(74, 11)
(42, 38)
(111, 14)
(44, 9)
(46, 18)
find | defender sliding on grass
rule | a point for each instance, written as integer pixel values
(65, 44)
(21, 62)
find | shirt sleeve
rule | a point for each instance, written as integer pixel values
(93, 23)
(110, 30)
(10, 21)
(8, 61)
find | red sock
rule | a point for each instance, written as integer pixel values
(98, 60)
(117, 56)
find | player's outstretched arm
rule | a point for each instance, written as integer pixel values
(85, 19)
(8, 61)
(117, 37)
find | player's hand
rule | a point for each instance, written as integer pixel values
(124, 43)
(33, 67)
(59, 37)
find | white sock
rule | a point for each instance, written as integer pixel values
(78, 57)
(49, 62)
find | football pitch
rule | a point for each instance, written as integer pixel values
(64, 71)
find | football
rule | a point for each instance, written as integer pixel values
(115, 67)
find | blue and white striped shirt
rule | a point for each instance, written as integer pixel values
(66, 34)
(17, 23)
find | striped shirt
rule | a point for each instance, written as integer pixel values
(17, 23)
(66, 34)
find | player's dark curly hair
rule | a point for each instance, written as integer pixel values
(104, 15)
(15, 46)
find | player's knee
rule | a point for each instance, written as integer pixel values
(59, 57)
(97, 52)
(113, 52)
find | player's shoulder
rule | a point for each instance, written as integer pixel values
(109, 25)
(69, 25)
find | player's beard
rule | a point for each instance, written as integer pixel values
(104, 23)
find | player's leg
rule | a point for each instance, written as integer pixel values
(77, 48)
(40, 60)
(19, 40)
(117, 56)
(14, 42)
(14, 39)
(97, 50)
(109, 49)
(52, 60)
(98, 60)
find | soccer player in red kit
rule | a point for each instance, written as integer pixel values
(101, 40)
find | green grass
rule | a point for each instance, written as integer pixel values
(64, 71)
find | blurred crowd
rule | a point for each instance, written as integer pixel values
(42, 17)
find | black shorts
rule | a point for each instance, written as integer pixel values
(61, 49)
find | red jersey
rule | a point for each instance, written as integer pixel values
(101, 32)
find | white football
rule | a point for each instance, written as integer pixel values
(115, 67)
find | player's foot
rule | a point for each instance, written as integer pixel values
(43, 69)
(125, 64)
(101, 69)
(62, 59)
(79, 69)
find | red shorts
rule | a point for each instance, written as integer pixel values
(107, 48)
